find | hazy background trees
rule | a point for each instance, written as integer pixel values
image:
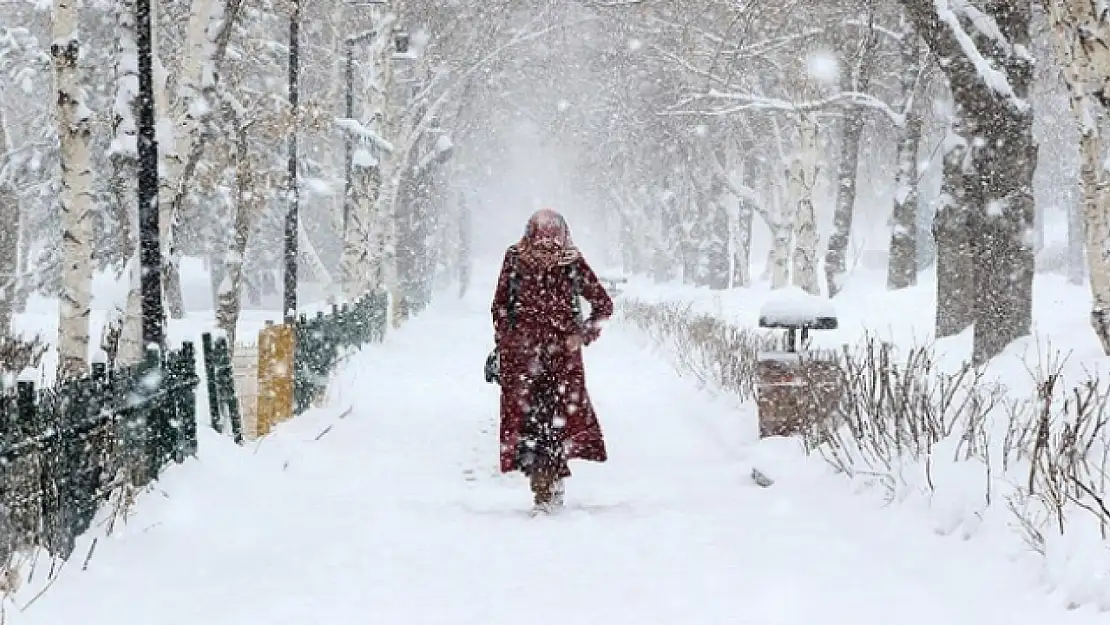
(709, 141)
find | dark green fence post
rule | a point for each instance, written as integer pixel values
(302, 355)
(346, 324)
(94, 445)
(152, 390)
(187, 400)
(210, 375)
(26, 509)
(380, 310)
(37, 422)
(67, 415)
(132, 427)
(225, 388)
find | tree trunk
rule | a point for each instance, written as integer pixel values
(9, 250)
(742, 248)
(176, 150)
(125, 175)
(1005, 159)
(207, 36)
(802, 180)
(1076, 234)
(74, 134)
(249, 201)
(217, 271)
(955, 264)
(1096, 221)
(995, 124)
(9, 231)
(848, 166)
(464, 245)
(385, 124)
(1087, 69)
(130, 348)
(356, 259)
(719, 256)
(902, 263)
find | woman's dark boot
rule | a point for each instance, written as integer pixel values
(543, 491)
(558, 492)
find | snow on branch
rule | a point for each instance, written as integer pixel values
(359, 130)
(983, 23)
(996, 80)
(748, 102)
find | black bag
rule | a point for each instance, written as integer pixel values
(493, 367)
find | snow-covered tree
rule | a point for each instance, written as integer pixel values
(1080, 32)
(73, 123)
(983, 49)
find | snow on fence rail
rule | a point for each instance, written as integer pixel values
(66, 450)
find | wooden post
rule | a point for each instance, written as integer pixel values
(275, 376)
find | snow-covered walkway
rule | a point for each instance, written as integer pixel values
(393, 514)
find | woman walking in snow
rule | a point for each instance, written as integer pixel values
(546, 415)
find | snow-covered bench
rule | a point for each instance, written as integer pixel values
(796, 388)
(794, 310)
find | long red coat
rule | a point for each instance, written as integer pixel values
(544, 321)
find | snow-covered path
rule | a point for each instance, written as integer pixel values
(394, 514)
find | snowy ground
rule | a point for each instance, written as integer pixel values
(970, 500)
(393, 513)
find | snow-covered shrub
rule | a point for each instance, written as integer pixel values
(716, 353)
(18, 354)
(897, 408)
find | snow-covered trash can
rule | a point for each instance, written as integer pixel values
(797, 386)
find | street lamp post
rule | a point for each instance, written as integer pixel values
(150, 251)
(289, 298)
(348, 143)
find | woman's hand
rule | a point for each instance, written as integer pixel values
(575, 341)
(579, 339)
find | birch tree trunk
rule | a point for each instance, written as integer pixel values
(249, 201)
(125, 175)
(9, 231)
(803, 175)
(355, 261)
(1096, 220)
(902, 264)
(1079, 38)
(742, 237)
(782, 238)
(857, 79)
(386, 124)
(174, 149)
(207, 36)
(73, 134)
(363, 167)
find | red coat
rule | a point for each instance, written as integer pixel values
(544, 322)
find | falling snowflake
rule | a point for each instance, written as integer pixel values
(823, 66)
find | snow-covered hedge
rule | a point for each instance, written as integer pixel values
(1032, 468)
